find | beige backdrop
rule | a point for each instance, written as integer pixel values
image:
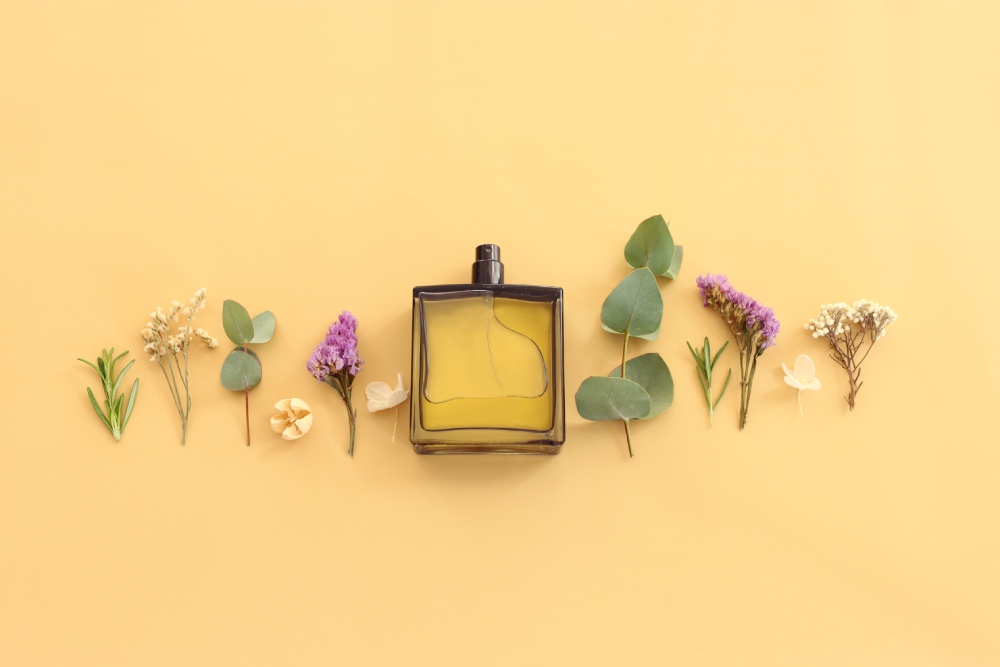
(309, 157)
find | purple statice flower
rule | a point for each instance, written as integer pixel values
(338, 350)
(336, 362)
(752, 324)
(750, 321)
(708, 284)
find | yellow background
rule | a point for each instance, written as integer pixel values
(310, 157)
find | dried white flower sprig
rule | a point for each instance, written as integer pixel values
(170, 350)
(847, 328)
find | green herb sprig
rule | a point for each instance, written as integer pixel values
(116, 412)
(639, 388)
(705, 363)
(241, 371)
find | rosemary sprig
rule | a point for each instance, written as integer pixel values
(116, 412)
(705, 363)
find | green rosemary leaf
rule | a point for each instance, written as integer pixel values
(723, 392)
(719, 354)
(90, 364)
(118, 381)
(696, 354)
(97, 409)
(131, 403)
(114, 360)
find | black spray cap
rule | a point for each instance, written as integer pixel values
(487, 269)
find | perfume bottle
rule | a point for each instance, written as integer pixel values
(487, 372)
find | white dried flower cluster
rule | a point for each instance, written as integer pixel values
(847, 328)
(156, 334)
(832, 317)
(836, 319)
(873, 317)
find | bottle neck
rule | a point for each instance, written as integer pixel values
(487, 269)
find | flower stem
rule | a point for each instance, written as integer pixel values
(353, 417)
(748, 363)
(352, 414)
(395, 420)
(628, 437)
(744, 392)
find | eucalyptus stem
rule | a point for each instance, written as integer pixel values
(246, 394)
(624, 352)
(628, 437)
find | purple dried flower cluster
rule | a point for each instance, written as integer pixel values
(749, 320)
(753, 325)
(335, 361)
(339, 350)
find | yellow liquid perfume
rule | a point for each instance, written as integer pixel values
(487, 372)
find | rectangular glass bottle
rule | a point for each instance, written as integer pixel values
(487, 371)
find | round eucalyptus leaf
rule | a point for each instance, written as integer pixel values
(240, 371)
(600, 399)
(634, 306)
(675, 262)
(651, 246)
(651, 373)
(263, 327)
(237, 323)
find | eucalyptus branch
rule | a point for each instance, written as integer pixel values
(642, 387)
(241, 370)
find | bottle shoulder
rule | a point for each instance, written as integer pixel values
(507, 290)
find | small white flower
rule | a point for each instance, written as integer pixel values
(294, 418)
(803, 377)
(381, 397)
